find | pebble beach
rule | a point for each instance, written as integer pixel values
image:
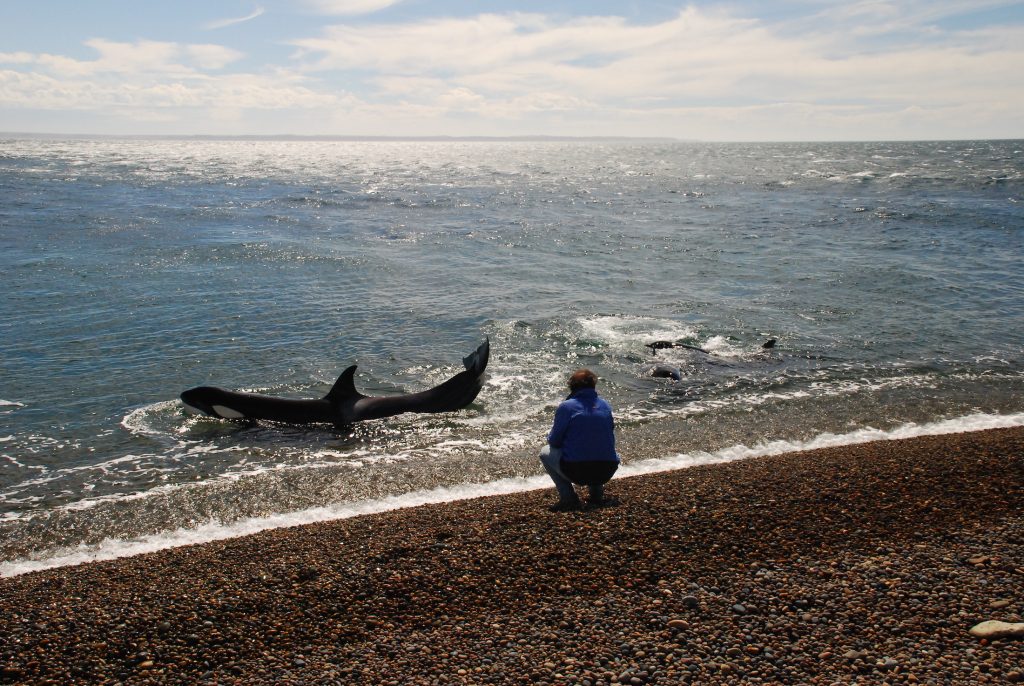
(860, 564)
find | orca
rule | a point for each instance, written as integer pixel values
(661, 345)
(344, 404)
(666, 371)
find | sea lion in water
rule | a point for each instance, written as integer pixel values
(665, 371)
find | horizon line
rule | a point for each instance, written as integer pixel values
(455, 139)
(334, 137)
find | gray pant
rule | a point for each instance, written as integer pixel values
(551, 459)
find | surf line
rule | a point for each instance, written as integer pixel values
(112, 548)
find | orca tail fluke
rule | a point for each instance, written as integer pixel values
(476, 361)
(463, 388)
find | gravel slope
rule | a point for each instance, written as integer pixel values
(862, 564)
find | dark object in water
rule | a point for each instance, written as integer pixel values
(662, 345)
(344, 404)
(665, 371)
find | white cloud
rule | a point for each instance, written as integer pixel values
(16, 57)
(147, 77)
(212, 56)
(349, 7)
(141, 57)
(694, 54)
(698, 73)
(242, 91)
(878, 16)
(697, 57)
(476, 43)
(222, 23)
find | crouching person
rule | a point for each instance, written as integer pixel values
(581, 445)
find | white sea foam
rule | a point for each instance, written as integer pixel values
(137, 421)
(625, 330)
(974, 422)
(116, 548)
(812, 389)
(720, 345)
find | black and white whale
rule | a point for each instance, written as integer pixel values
(662, 345)
(667, 371)
(344, 404)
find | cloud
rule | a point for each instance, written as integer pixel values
(697, 73)
(222, 23)
(245, 91)
(153, 76)
(471, 44)
(211, 56)
(883, 16)
(16, 57)
(697, 57)
(349, 7)
(694, 54)
(141, 57)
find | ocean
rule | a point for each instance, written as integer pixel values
(891, 276)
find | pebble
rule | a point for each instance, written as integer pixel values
(997, 629)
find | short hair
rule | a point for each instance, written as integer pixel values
(582, 378)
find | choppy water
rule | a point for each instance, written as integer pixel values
(890, 273)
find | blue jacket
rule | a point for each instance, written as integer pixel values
(584, 428)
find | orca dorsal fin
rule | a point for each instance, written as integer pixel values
(344, 387)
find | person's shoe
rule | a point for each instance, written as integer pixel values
(606, 501)
(566, 506)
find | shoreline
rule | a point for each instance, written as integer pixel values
(862, 562)
(111, 548)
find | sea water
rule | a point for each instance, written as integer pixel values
(890, 274)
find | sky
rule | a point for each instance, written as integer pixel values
(748, 70)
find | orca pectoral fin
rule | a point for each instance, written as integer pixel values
(344, 387)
